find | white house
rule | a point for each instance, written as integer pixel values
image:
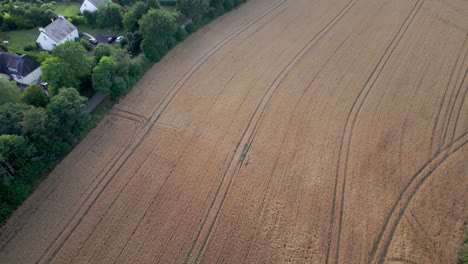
(90, 5)
(56, 33)
(20, 68)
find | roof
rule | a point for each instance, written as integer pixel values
(96, 2)
(16, 64)
(59, 29)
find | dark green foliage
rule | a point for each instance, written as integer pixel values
(34, 95)
(139, 8)
(78, 20)
(130, 21)
(30, 46)
(102, 49)
(33, 124)
(76, 56)
(26, 16)
(11, 116)
(228, 5)
(193, 8)
(3, 47)
(68, 64)
(112, 74)
(32, 139)
(191, 28)
(90, 17)
(109, 15)
(88, 46)
(103, 75)
(9, 92)
(66, 114)
(135, 71)
(134, 42)
(41, 17)
(58, 73)
(8, 24)
(15, 151)
(158, 27)
(153, 4)
(181, 34)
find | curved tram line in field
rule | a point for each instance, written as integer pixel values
(350, 123)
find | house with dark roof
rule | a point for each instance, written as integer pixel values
(91, 5)
(56, 33)
(20, 68)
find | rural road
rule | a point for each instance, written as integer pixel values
(287, 131)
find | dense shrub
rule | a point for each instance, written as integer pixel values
(191, 28)
(31, 46)
(181, 34)
(88, 46)
(78, 20)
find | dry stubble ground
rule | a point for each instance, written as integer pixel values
(286, 131)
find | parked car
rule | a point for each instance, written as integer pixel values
(93, 41)
(119, 38)
(111, 39)
(80, 34)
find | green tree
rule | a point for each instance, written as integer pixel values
(41, 16)
(33, 125)
(158, 27)
(193, 8)
(90, 17)
(130, 21)
(15, 151)
(103, 74)
(109, 15)
(76, 56)
(67, 117)
(11, 115)
(139, 8)
(9, 92)
(42, 56)
(34, 95)
(102, 49)
(58, 74)
(111, 75)
(123, 60)
(153, 4)
(134, 42)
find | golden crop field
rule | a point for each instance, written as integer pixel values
(287, 131)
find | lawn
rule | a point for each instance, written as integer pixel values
(19, 38)
(72, 9)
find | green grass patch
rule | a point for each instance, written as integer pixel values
(19, 38)
(72, 9)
